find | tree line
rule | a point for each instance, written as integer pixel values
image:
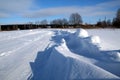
(75, 21)
(115, 23)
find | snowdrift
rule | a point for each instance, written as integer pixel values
(73, 56)
(60, 54)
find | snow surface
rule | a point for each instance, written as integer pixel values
(110, 38)
(60, 54)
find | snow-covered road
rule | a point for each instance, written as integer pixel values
(17, 51)
(59, 54)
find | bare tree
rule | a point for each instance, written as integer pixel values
(57, 22)
(109, 23)
(60, 21)
(64, 21)
(75, 19)
(44, 22)
(37, 22)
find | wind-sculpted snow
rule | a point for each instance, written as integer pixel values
(71, 56)
(61, 64)
(56, 55)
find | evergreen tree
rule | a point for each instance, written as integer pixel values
(116, 21)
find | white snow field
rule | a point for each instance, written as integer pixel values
(60, 54)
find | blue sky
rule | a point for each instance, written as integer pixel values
(24, 11)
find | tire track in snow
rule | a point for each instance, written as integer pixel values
(16, 48)
(22, 59)
(21, 35)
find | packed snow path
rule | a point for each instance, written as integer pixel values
(17, 50)
(57, 55)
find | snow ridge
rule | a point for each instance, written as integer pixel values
(59, 54)
(72, 56)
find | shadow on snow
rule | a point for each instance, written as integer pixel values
(37, 66)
